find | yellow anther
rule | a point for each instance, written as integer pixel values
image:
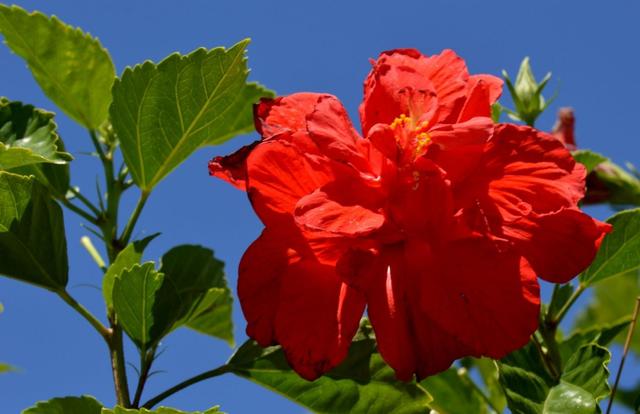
(401, 120)
(422, 139)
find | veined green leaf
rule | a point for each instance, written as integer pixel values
(129, 256)
(71, 67)
(363, 383)
(530, 390)
(142, 306)
(28, 136)
(589, 158)
(163, 113)
(67, 405)
(189, 290)
(32, 238)
(205, 299)
(612, 303)
(453, 393)
(618, 253)
(159, 410)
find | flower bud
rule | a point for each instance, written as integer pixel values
(526, 94)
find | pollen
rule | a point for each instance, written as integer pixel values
(402, 120)
(422, 140)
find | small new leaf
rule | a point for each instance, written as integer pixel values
(163, 113)
(33, 246)
(67, 405)
(589, 159)
(71, 67)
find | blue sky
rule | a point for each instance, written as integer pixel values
(297, 46)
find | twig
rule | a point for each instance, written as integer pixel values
(627, 344)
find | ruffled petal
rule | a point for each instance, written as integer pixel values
(558, 245)
(331, 130)
(521, 171)
(319, 211)
(493, 84)
(458, 148)
(316, 318)
(396, 80)
(284, 114)
(232, 168)
(473, 300)
(275, 276)
(280, 175)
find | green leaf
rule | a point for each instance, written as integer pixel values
(163, 113)
(612, 303)
(66, 405)
(589, 159)
(189, 290)
(143, 308)
(363, 383)
(602, 335)
(530, 389)
(205, 301)
(32, 238)
(618, 253)
(129, 256)
(453, 393)
(159, 410)
(28, 136)
(560, 297)
(488, 370)
(71, 67)
(6, 368)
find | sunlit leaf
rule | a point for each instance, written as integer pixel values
(453, 393)
(589, 158)
(163, 113)
(129, 256)
(67, 405)
(531, 390)
(159, 410)
(613, 302)
(71, 67)
(28, 136)
(618, 253)
(32, 238)
(363, 383)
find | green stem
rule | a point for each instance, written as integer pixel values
(184, 384)
(118, 367)
(556, 319)
(85, 201)
(102, 330)
(128, 230)
(72, 207)
(146, 361)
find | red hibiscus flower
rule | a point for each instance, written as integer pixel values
(437, 221)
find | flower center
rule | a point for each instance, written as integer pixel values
(412, 136)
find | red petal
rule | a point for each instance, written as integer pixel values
(318, 211)
(474, 300)
(317, 317)
(493, 83)
(331, 130)
(274, 280)
(280, 175)
(558, 245)
(395, 75)
(458, 148)
(232, 168)
(284, 114)
(524, 170)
